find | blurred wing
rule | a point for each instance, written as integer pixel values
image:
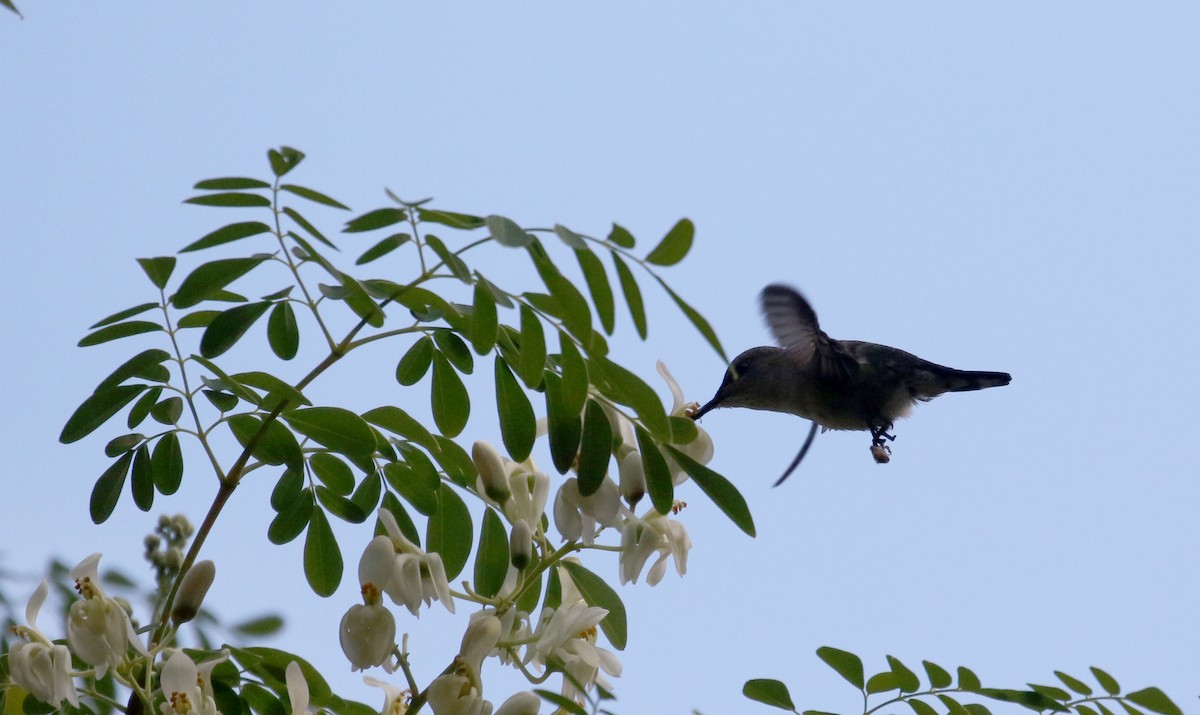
(794, 325)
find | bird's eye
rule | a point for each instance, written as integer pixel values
(739, 368)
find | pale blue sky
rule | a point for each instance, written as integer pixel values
(998, 186)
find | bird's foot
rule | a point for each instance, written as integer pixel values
(879, 450)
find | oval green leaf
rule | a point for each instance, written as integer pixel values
(532, 353)
(450, 402)
(597, 592)
(282, 333)
(211, 278)
(415, 363)
(226, 234)
(167, 464)
(96, 410)
(597, 282)
(141, 481)
(322, 557)
(564, 425)
(338, 429)
(314, 196)
(518, 424)
(844, 663)
(675, 245)
(595, 449)
(491, 561)
(372, 220)
(117, 331)
(235, 199)
(633, 295)
(484, 325)
(449, 531)
(769, 692)
(107, 491)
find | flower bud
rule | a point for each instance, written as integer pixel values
(491, 472)
(633, 478)
(368, 635)
(522, 703)
(192, 590)
(481, 637)
(520, 545)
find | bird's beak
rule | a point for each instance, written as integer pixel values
(713, 403)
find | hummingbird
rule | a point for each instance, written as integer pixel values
(838, 384)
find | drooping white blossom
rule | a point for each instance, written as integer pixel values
(580, 517)
(416, 577)
(98, 629)
(395, 700)
(38, 665)
(643, 537)
(368, 630)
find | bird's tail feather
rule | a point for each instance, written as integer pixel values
(966, 380)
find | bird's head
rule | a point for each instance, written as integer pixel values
(752, 380)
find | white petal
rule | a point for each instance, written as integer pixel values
(676, 392)
(35, 603)
(297, 688)
(375, 566)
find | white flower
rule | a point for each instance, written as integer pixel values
(633, 477)
(522, 703)
(180, 683)
(453, 694)
(699, 449)
(368, 630)
(567, 636)
(517, 489)
(479, 639)
(98, 629)
(395, 700)
(580, 517)
(416, 577)
(37, 665)
(654, 533)
(297, 688)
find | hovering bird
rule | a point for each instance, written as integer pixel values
(838, 384)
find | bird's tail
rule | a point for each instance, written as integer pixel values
(966, 380)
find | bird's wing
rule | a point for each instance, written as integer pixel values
(794, 325)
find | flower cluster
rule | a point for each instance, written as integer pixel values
(562, 638)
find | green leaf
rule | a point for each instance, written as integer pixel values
(338, 429)
(119, 330)
(938, 676)
(920, 707)
(267, 625)
(1052, 692)
(167, 464)
(455, 350)
(135, 366)
(1106, 681)
(277, 445)
(906, 680)
(393, 505)
(234, 199)
(305, 224)
(575, 313)
(142, 479)
(333, 472)
(96, 410)
(484, 325)
(455, 462)
(595, 449)
(563, 424)
(597, 592)
(633, 295)
(599, 287)
(197, 319)
(226, 234)
(107, 491)
(383, 248)
(125, 443)
(232, 183)
(158, 269)
(322, 557)
(696, 319)
(491, 563)
(563, 704)
(340, 506)
(674, 245)
(292, 521)
(397, 421)
(844, 663)
(769, 692)
(449, 531)
(531, 360)
(449, 218)
(366, 496)
(227, 328)
(570, 238)
(142, 406)
(518, 424)
(452, 262)
(284, 159)
(372, 220)
(506, 232)
(967, 680)
(574, 373)
(1155, 700)
(1026, 698)
(1073, 683)
(277, 390)
(415, 479)
(287, 489)
(123, 314)
(953, 706)
(624, 387)
(659, 485)
(415, 363)
(168, 411)
(210, 278)
(223, 401)
(450, 402)
(282, 333)
(314, 196)
(620, 236)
